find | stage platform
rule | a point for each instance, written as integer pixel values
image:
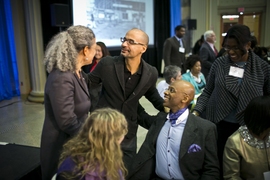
(19, 162)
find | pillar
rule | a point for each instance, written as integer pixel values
(35, 50)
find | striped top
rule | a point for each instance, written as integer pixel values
(223, 92)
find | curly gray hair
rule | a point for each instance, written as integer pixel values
(62, 51)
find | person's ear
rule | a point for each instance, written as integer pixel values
(85, 50)
(172, 79)
(143, 49)
(186, 98)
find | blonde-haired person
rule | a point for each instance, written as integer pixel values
(95, 152)
(66, 97)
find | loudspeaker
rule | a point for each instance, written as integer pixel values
(60, 16)
(192, 24)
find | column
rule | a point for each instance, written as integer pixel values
(35, 49)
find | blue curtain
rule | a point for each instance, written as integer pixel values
(9, 81)
(176, 19)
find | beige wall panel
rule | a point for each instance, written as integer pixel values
(21, 46)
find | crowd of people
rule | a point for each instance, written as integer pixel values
(213, 109)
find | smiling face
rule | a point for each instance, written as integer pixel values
(234, 51)
(134, 50)
(178, 95)
(99, 54)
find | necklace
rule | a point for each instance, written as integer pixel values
(241, 64)
(253, 141)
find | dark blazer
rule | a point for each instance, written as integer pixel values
(223, 93)
(171, 54)
(207, 56)
(67, 104)
(110, 71)
(197, 165)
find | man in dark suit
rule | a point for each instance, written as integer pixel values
(208, 52)
(125, 79)
(174, 49)
(178, 145)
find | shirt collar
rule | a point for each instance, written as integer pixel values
(139, 70)
(180, 119)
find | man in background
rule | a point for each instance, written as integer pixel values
(174, 49)
(208, 52)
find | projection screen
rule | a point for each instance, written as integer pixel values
(111, 19)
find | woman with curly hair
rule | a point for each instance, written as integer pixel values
(194, 76)
(95, 152)
(66, 97)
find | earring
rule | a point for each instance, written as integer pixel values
(86, 59)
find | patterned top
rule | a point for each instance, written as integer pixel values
(223, 93)
(253, 141)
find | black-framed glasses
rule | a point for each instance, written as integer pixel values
(130, 41)
(231, 48)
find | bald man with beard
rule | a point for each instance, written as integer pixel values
(178, 145)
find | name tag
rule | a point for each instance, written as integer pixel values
(236, 72)
(181, 50)
(266, 175)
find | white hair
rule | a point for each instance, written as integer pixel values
(208, 34)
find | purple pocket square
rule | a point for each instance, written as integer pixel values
(194, 148)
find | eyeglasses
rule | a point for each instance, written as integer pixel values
(172, 90)
(231, 48)
(130, 41)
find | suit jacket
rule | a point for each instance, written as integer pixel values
(223, 93)
(67, 104)
(171, 54)
(197, 165)
(207, 56)
(110, 71)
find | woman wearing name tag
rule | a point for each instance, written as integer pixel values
(234, 79)
(247, 151)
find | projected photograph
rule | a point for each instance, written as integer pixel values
(111, 19)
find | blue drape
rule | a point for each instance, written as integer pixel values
(176, 19)
(9, 81)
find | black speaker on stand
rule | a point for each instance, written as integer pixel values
(60, 15)
(192, 25)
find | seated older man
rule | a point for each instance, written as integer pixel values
(178, 145)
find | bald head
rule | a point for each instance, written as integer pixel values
(141, 35)
(187, 88)
(179, 95)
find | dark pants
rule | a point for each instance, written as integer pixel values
(224, 130)
(129, 151)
